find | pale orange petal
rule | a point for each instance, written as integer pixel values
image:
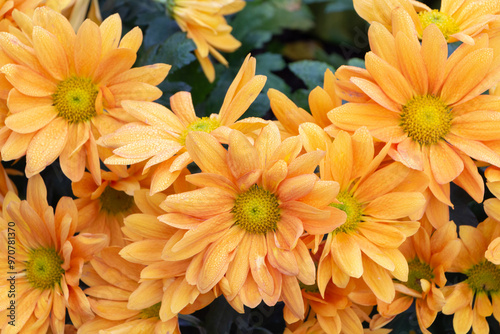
(182, 105)
(395, 205)
(50, 53)
(352, 116)
(347, 255)
(87, 49)
(412, 63)
(398, 88)
(46, 146)
(243, 99)
(28, 82)
(201, 202)
(446, 165)
(473, 67)
(381, 182)
(242, 157)
(217, 257)
(208, 153)
(434, 53)
(31, 120)
(379, 281)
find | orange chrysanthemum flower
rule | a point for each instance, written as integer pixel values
(321, 101)
(163, 283)
(429, 257)
(112, 282)
(68, 89)
(478, 297)
(205, 24)
(430, 108)
(162, 134)
(377, 201)
(48, 262)
(243, 225)
(101, 209)
(458, 20)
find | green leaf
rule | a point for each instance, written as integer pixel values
(267, 63)
(358, 62)
(159, 29)
(176, 51)
(333, 59)
(259, 21)
(298, 19)
(339, 6)
(249, 25)
(301, 98)
(310, 71)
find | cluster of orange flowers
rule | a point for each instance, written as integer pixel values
(336, 212)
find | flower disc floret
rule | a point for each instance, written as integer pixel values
(43, 269)
(352, 208)
(418, 270)
(115, 201)
(426, 119)
(75, 98)
(204, 124)
(445, 23)
(484, 277)
(256, 210)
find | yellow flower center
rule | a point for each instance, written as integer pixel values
(115, 201)
(43, 269)
(352, 208)
(445, 23)
(256, 210)
(426, 119)
(205, 124)
(418, 270)
(484, 277)
(151, 312)
(74, 99)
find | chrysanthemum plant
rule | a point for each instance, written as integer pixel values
(293, 191)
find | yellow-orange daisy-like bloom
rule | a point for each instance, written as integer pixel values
(162, 281)
(377, 200)
(321, 101)
(101, 209)
(458, 20)
(68, 89)
(204, 22)
(429, 257)
(478, 297)
(428, 105)
(243, 225)
(161, 134)
(48, 262)
(112, 282)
